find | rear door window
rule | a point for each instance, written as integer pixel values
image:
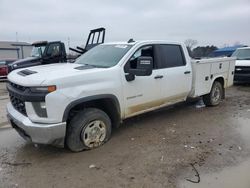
(169, 55)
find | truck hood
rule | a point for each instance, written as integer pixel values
(39, 75)
(25, 60)
(245, 63)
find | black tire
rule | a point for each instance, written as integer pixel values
(215, 96)
(75, 135)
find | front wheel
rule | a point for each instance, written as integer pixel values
(215, 96)
(88, 129)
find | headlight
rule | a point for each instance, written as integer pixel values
(40, 106)
(40, 109)
(43, 89)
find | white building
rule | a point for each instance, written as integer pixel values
(14, 50)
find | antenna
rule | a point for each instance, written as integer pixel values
(68, 42)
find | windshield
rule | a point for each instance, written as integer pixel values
(104, 55)
(242, 54)
(37, 51)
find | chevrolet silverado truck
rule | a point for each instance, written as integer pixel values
(242, 65)
(78, 104)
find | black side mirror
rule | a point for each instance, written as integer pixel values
(144, 67)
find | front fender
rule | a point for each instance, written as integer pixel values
(88, 99)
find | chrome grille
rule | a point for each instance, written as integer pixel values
(18, 87)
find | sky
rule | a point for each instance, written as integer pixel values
(210, 22)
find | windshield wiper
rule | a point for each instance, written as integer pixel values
(96, 66)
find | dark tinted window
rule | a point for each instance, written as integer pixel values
(169, 56)
(54, 50)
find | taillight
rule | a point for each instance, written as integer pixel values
(3, 71)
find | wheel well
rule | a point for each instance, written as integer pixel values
(108, 105)
(221, 80)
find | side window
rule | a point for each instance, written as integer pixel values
(144, 51)
(54, 50)
(170, 56)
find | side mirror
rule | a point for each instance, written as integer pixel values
(144, 67)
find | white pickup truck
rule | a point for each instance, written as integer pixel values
(242, 65)
(77, 105)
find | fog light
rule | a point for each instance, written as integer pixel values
(42, 105)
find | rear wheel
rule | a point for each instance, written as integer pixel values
(215, 96)
(89, 129)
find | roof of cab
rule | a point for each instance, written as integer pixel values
(145, 41)
(244, 48)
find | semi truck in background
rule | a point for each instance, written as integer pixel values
(45, 52)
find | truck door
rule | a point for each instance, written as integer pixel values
(177, 75)
(143, 92)
(52, 53)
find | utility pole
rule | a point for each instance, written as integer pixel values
(16, 36)
(68, 42)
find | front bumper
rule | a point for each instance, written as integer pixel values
(3, 77)
(242, 78)
(36, 132)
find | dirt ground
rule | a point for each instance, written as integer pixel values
(171, 147)
(3, 101)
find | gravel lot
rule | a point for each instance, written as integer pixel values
(3, 101)
(157, 149)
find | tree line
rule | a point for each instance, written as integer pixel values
(199, 51)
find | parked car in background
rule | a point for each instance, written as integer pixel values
(4, 67)
(242, 65)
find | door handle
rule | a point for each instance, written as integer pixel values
(187, 72)
(159, 77)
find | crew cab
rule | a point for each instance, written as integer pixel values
(242, 65)
(77, 105)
